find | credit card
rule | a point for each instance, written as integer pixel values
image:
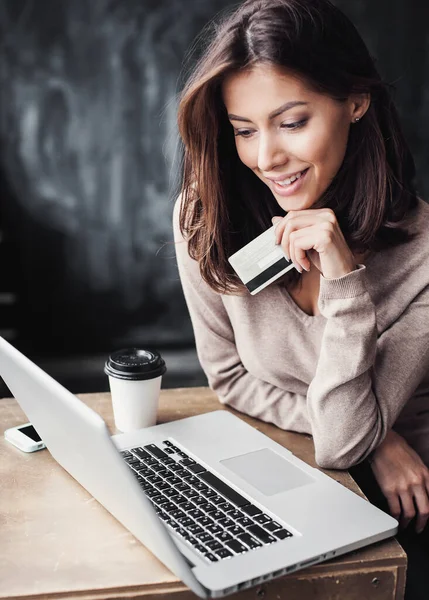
(260, 262)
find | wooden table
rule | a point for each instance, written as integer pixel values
(56, 541)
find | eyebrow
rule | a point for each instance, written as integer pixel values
(274, 114)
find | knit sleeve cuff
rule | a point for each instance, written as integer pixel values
(348, 286)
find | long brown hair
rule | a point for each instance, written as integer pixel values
(224, 204)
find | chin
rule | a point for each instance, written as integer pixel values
(288, 204)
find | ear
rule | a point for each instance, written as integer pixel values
(359, 104)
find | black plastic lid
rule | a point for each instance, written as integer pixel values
(135, 364)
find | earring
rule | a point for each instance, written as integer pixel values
(357, 119)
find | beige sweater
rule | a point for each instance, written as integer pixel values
(345, 376)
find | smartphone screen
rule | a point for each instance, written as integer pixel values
(31, 433)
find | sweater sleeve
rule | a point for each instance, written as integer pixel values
(363, 380)
(218, 355)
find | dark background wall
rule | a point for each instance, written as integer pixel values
(89, 166)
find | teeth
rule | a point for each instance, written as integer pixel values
(290, 179)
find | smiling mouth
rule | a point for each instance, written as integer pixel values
(290, 180)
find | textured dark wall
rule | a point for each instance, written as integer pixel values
(88, 157)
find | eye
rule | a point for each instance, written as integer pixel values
(296, 125)
(242, 133)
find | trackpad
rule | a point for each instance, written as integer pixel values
(268, 472)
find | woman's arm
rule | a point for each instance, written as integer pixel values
(218, 354)
(362, 381)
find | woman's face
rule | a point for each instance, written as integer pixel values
(282, 128)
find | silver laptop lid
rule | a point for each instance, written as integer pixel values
(78, 439)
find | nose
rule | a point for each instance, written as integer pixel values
(270, 153)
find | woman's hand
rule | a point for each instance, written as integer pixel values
(403, 479)
(315, 235)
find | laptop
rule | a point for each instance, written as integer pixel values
(220, 504)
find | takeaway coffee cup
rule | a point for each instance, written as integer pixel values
(135, 382)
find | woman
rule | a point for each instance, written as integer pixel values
(286, 120)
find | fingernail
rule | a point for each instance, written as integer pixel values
(298, 268)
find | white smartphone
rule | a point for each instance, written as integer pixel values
(24, 437)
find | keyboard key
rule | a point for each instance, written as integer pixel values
(191, 494)
(187, 462)
(182, 454)
(251, 510)
(262, 519)
(194, 529)
(261, 534)
(250, 541)
(126, 454)
(167, 443)
(245, 522)
(272, 526)
(208, 507)
(187, 506)
(155, 451)
(176, 469)
(216, 499)
(281, 534)
(176, 513)
(214, 529)
(173, 480)
(204, 537)
(223, 553)
(211, 557)
(235, 514)
(226, 522)
(151, 491)
(159, 468)
(180, 472)
(154, 479)
(144, 470)
(168, 507)
(214, 545)
(226, 506)
(180, 500)
(223, 536)
(236, 530)
(217, 515)
(224, 489)
(236, 546)
(160, 501)
(168, 451)
(200, 548)
(163, 486)
(171, 492)
(185, 521)
(198, 501)
(196, 468)
(208, 493)
(175, 448)
(200, 486)
(204, 521)
(195, 513)
(141, 453)
(182, 487)
(192, 479)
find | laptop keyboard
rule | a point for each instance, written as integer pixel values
(200, 508)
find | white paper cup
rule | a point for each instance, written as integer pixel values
(135, 381)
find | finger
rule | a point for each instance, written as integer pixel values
(298, 254)
(394, 505)
(422, 503)
(408, 509)
(302, 242)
